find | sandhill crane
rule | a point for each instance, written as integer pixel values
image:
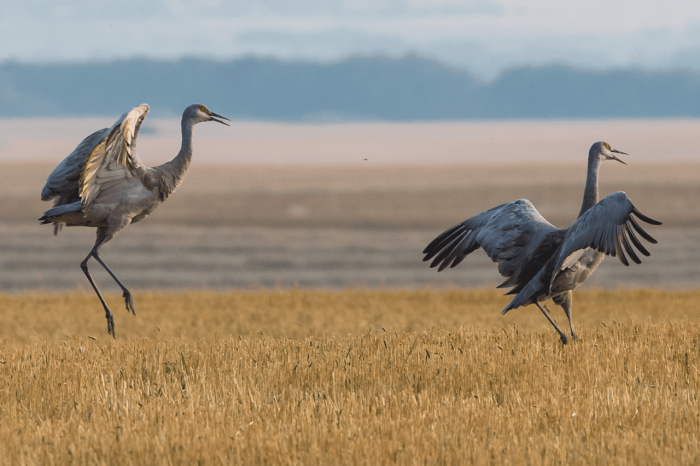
(103, 184)
(540, 261)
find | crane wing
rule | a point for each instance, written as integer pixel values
(113, 157)
(63, 183)
(513, 235)
(608, 227)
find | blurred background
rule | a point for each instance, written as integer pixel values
(361, 131)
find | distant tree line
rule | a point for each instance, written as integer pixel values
(369, 88)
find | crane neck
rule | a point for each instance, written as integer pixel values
(590, 194)
(172, 173)
(184, 157)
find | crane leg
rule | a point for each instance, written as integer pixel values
(564, 300)
(126, 294)
(563, 337)
(108, 313)
(105, 234)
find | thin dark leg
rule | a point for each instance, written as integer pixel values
(563, 337)
(108, 313)
(564, 300)
(126, 293)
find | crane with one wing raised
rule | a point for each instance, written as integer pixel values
(103, 184)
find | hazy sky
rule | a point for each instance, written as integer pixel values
(480, 35)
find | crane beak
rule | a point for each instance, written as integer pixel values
(213, 115)
(618, 152)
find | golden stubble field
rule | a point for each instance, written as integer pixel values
(393, 366)
(349, 377)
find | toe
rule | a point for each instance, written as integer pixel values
(129, 303)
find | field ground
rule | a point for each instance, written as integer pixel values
(329, 227)
(346, 348)
(349, 377)
(269, 205)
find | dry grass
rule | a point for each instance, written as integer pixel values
(353, 377)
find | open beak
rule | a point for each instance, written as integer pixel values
(213, 115)
(618, 152)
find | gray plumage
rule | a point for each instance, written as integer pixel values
(540, 261)
(103, 184)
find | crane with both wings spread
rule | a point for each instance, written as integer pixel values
(540, 261)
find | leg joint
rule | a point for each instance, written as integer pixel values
(83, 264)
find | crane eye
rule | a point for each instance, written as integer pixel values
(607, 146)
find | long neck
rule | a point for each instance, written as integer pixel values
(590, 195)
(172, 173)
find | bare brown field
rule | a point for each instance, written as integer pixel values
(336, 227)
(351, 377)
(346, 205)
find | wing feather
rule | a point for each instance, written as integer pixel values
(456, 251)
(626, 244)
(644, 218)
(618, 249)
(469, 247)
(641, 232)
(443, 239)
(64, 181)
(512, 234)
(635, 241)
(603, 228)
(573, 258)
(113, 157)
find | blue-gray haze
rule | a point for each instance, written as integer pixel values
(366, 88)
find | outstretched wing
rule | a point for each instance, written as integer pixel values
(113, 158)
(608, 227)
(513, 235)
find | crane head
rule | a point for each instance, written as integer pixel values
(603, 151)
(199, 113)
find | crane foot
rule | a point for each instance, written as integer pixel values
(129, 302)
(564, 339)
(110, 324)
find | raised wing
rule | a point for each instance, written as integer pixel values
(513, 235)
(608, 227)
(64, 182)
(113, 157)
